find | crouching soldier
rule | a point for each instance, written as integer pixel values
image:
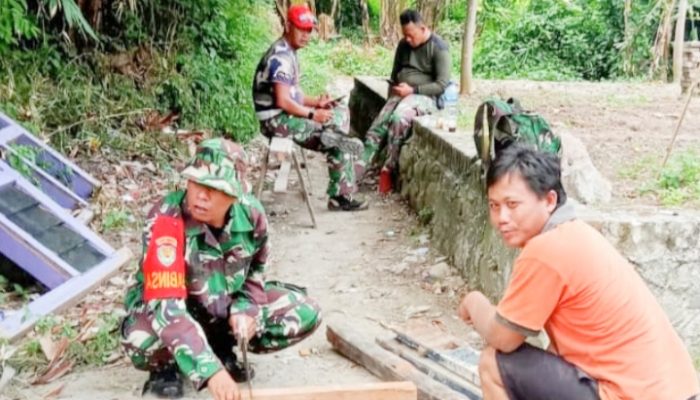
(201, 280)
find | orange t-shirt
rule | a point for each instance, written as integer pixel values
(599, 315)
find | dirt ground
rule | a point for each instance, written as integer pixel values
(373, 266)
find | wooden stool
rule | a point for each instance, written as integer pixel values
(282, 148)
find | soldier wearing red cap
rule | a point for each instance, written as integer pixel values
(315, 123)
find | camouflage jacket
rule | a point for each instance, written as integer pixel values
(224, 276)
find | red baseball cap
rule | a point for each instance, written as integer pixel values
(301, 17)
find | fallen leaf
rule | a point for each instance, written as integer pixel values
(55, 391)
(414, 311)
(53, 350)
(305, 352)
(54, 372)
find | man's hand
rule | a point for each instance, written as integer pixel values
(463, 309)
(322, 116)
(325, 102)
(402, 89)
(222, 387)
(242, 321)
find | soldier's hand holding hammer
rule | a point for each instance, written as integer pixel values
(242, 323)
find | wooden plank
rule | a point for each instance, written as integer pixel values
(432, 369)
(364, 351)
(282, 177)
(281, 145)
(369, 391)
(444, 349)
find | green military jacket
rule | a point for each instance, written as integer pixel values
(224, 276)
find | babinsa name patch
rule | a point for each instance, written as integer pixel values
(164, 266)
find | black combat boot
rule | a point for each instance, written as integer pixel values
(343, 203)
(165, 383)
(235, 369)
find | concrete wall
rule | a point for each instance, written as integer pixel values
(440, 177)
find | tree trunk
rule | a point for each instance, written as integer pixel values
(432, 11)
(281, 6)
(678, 41)
(628, 39)
(390, 26)
(365, 21)
(334, 10)
(466, 81)
(661, 42)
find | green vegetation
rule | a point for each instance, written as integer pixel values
(558, 39)
(194, 59)
(96, 346)
(678, 184)
(531, 39)
(115, 219)
(322, 61)
(425, 215)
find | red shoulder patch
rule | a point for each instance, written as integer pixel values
(164, 265)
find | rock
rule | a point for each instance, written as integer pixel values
(420, 252)
(305, 352)
(423, 239)
(410, 260)
(582, 180)
(399, 268)
(439, 271)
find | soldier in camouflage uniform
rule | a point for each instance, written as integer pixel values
(420, 74)
(202, 276)
(315, 123)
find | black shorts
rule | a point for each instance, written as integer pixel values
(531, 373)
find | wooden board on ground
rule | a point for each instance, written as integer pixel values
(363, 350)
(432, 369)
(370, 391)
(436, 344)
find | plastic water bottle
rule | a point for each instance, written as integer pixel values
(451, 101)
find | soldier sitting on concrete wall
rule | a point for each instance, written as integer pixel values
(200, 284)
(610, 339)
(420, 75)
(315, 123)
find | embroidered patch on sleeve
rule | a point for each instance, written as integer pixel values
(164, 266)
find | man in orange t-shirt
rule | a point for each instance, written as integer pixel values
(610, 339)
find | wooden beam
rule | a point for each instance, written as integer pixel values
(432, 369)
(387, 366)
(369, 391)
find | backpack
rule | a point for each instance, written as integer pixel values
(505, 123)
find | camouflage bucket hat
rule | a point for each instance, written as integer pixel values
(217, 164)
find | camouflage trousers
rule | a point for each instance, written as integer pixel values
(167, 331)
(392, 127)
(342, 167)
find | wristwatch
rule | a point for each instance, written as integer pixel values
(311, 113)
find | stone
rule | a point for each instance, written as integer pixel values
(581, 179)
(399, 268)
(440, 271)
